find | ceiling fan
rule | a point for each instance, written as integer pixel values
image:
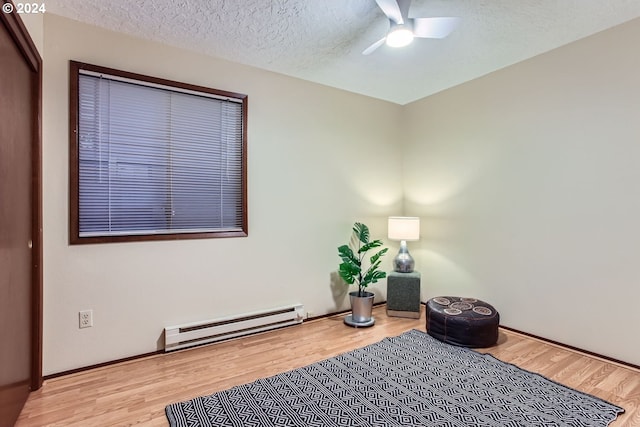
(403, 29)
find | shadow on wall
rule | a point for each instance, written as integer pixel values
(339, 291)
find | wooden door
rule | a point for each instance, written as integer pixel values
(20, 243)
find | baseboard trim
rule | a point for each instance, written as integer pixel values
(574, 349)
(338, 313)
(158, 352)
(323, 316)
(102, 365)
(569, 347)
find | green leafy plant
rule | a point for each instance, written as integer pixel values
(351, 269)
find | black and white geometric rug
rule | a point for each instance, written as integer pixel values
(408, 380)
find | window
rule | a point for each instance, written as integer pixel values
(153, 159)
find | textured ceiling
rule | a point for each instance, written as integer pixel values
(322, 40)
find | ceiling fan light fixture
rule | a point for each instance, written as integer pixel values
(399, 36)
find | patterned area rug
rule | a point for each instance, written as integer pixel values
(408, 380)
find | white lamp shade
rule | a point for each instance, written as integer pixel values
(404, 228)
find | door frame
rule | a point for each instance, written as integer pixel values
(24, 43)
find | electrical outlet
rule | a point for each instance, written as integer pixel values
(86, 319)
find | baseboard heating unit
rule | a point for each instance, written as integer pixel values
(208, 331)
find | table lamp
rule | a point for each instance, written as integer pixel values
(403, 228)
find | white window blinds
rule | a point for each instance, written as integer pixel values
(154, 160)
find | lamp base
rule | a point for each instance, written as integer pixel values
(403, 262)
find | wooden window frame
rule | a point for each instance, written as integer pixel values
(74, 160)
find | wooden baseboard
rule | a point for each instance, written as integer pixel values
(412, 315)
(572, 348)
(102, 365)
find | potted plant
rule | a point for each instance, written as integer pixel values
(352, 272)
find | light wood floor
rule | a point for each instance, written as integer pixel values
(136, 392)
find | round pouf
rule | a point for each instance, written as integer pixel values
(466, 322)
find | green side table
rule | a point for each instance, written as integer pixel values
(403, 294)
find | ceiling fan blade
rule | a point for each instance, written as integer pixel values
(374, 46)
(433, 28)
(404, 5)
(392, 10)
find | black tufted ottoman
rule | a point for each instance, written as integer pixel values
(466, 322)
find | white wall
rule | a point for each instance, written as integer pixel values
(319, 159)
(34, 22)
(528, 184)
